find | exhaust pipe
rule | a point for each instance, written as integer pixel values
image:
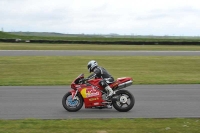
(126, 84)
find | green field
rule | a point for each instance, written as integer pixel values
(101, 126)
(61, 70)
(28, 46)
(32, 36)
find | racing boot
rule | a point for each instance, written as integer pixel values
(110, 92)
(109, 106)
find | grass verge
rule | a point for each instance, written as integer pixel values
(27, 46)
(61, 70)
(101, 126)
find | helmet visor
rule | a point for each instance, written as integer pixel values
(89, 67)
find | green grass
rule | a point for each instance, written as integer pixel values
(28, 46)
(98, 38)
(61, 70)
(101, 126)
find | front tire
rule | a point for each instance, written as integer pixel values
(72, 105)
(125, 101)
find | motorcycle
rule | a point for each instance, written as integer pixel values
(94, 96)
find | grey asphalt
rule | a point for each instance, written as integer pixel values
(152, 101)
(92, 52)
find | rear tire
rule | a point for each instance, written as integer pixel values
(125, 102)
(72, 105)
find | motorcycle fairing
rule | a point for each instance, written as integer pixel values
(92, 97)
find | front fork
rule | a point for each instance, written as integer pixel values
(74, 93)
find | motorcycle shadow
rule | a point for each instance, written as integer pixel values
(97, 111)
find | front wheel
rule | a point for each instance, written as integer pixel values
(72, 105)
(125, 101)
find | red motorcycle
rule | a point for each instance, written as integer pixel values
(94, 96)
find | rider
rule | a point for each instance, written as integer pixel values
(100, 72)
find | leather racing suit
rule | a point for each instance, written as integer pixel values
(100, 72)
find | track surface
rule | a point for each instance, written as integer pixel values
(152, 101)
(92, 52)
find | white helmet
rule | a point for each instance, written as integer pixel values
(91, 65)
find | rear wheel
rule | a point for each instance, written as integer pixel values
(125, 101)
(72, 105)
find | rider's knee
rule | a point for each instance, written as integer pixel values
(103, 83)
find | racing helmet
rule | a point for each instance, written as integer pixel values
(91, 65)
